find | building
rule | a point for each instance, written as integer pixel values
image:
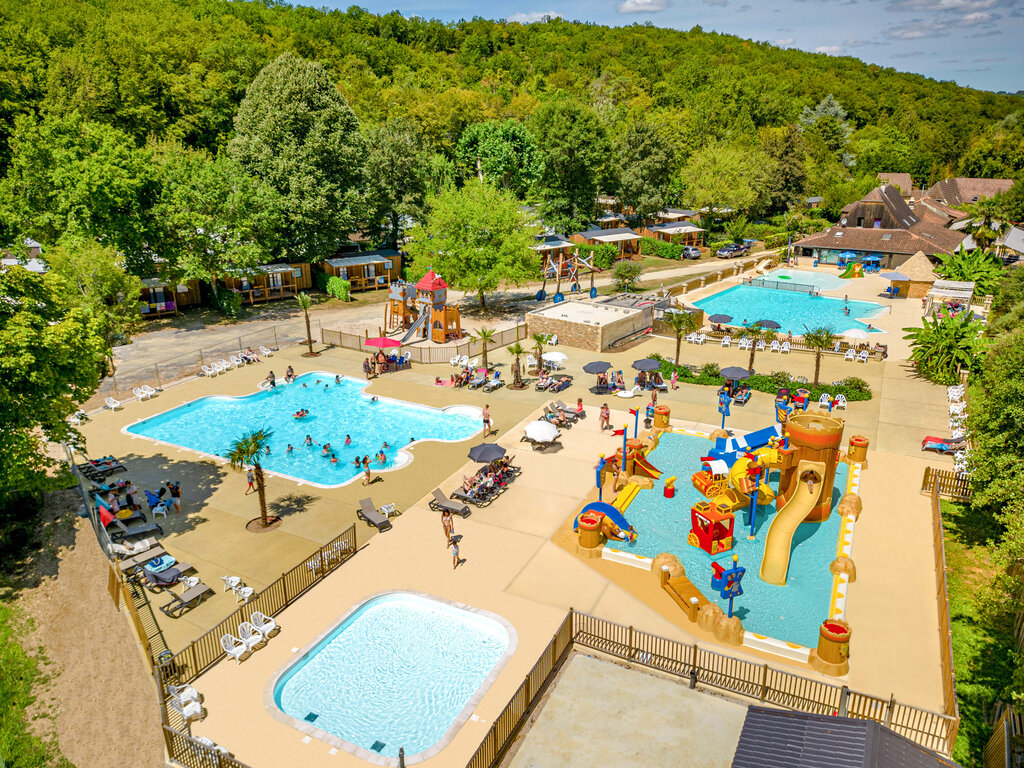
(610, 220)
(159, 298)
(814, 201)
(670, 215)
(366, 270)
(881, 224)
(962, 191)
(920, 277)
(589, 325)
(902, 181)
(679, 232)
(623, 238)
(1009, 246)
(272, 281)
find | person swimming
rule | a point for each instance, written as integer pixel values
(268, 450)
(386, 446)
(334, 459)
(373, 399)
(309, 441)
(358, 463)
(337, 379)
(327, 449)
(289, 449)
(348, 439)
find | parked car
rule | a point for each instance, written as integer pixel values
(690, 252)
(732, 250)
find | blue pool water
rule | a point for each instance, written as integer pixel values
(794, 311)
(823, 280)
(793, 612)
(397, 672)
(210, 424)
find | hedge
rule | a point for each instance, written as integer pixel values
(709, 375)
(650, 246)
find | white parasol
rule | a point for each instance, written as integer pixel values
(541, 431)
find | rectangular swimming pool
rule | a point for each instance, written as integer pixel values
(400, 670)
(795, 312)
(337, 410)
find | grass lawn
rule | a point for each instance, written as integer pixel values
(982, 634)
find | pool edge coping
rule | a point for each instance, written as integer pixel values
(404, 452)
(270, 704)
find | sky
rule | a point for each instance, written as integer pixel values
(976, 43)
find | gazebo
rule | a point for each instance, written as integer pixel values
(920, 277)
(953, 296)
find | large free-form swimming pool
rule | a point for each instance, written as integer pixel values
(793, 612)
(336, 410)
(402, 670)
(796, 312)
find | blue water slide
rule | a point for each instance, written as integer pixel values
(607, 510)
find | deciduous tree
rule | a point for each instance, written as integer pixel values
(500, 152)
(398, 170)
(645, 158)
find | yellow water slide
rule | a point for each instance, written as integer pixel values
(779, 541)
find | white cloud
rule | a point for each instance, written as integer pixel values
(532, 17)
(783, 41)
(831, 50)
(943, 5)
(642, 6)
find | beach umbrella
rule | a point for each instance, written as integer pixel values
(768, 324)
(383, 342)
(856, 333)
(895, 276)
(485, 453)
(554, 357)
(646, 364)
(541, 431)
(598, 366)
(720, 319)
(735, 372)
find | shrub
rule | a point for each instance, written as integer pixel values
(710, 369)
(229, 303)
(338, 288)
(320, 280)
(605, 254)
(626, 273)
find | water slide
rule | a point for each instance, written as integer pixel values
(625, 497)
(415, 326)
(641, 466)
(608, 511)
(763, 267)
(779, 541)
(855, 269)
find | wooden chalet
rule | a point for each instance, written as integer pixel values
(623, 238)
(160, 298)
(673, 215)
(680, 233)
(367, 270)
(272, 281)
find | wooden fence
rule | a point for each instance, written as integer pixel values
(428, 353)
(759, 682)
(205, 651)
(185, 750)
(949, 485)
(942, 600)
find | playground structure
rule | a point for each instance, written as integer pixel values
(853, 269)
(566, 266)
(422, 310)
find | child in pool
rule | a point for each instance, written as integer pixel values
(337, 379)
(334, 459)
(327, 449)
(358, 463)
(348, 439)
(309, 441)
(290, 449)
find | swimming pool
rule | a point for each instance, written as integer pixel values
(400, 670)
(210, 424)
(794, 311)
(793, 612)
(822, 280)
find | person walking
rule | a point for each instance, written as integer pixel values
(366, 470)
(486, 415)
(251, 478)
(454, 544)
(447, 525)
(175, 491)
(605, 417)
(675, 379)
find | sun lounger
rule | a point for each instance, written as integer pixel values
(139, 394)
(479, 381)
(368, 512)
(190, 599)
(209, 372)
(100, 468)
(494, 383)
(158, 581)
(137, 561)
(236, 361)
(862, 357)
(122, 531)
(850, 355)
(477, 496)
(440, 502)
(189, 710)
(129, 549)
(539, 445)
(265, 352)
(570, 415)
(566, 409)
(148, 390)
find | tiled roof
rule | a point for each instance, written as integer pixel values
(901, 180)
(929, 204)
(873, 240)
(964, 191)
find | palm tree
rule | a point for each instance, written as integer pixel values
(682, 324)
(539, 340)
(485, 335)
(247, 450)
(819, 339)
(305, 303)
(756, 333)
(517, 351)
(942, 347)
(985, 227)
(978, 266)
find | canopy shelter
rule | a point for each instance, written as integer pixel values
(952, 289)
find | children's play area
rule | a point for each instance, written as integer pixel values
(750, 535)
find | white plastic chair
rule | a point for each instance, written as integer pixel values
(774, 347)
(225, 364)
(473, 363)
(140, 394)
(692, 338)
(553, 341)
(159, 509)
(265, 352)
(786, 349)
(233, 647)
(760, 345)
(825, 401)
(862, 357)
(841, 401)
(455, 361)
(236, 361)
(249, 635)
(243, 594)
(264, 623)
(726, 341)
(531, 361)
(209, 372)
(957, 409)
(206, 741)
(184, 693)
(148, 390)
(702, 338)
(745, 344)
(231, 582)
(189, 710)
(112, 404)
(850, 355)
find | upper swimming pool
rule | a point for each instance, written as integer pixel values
(822, 280)
(796, 312)
(336, 410)
(401, 670)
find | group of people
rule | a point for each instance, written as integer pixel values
(550, 383)
(380, 363)
(170, 489)
(489, 481)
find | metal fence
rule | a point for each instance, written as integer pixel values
(759, 682)
(428, 353)
(952, 486)
(781, 285)
(185, 365)
(942, 600)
